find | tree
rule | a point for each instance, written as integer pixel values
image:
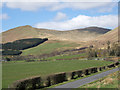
(108, 47)
(91, 53)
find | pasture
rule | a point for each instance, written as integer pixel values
(49, 46)
(13, 71)
(66, 56)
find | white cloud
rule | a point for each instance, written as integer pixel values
(80, 5)
(82, 21)
(108, 7)
(28, 6)
(4, 16)
(60, 1)
(1, 4)
(60, 16)
(57, 5)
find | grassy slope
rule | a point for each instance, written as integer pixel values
(109, 36)
(13, 71)
(66, 56)
(70, 35)
(110, 81)
(19, 33)
(101, 41)
(48, 47)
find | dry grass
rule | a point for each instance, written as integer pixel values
(101, 41)
(27, 31)
(110, 81)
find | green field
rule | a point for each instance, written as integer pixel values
(48, 47)
(66, 56)
(13, 71)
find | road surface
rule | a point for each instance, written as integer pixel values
(78, 83)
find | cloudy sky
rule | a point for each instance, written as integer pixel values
(58, 14)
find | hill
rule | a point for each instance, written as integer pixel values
(49, 47)
(101, 41)
(81, 35)
(109, 36)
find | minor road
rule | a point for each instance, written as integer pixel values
(78, 83)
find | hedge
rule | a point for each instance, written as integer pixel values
(45, 81)
(29, 83)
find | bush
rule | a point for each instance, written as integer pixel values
(117, 63)
(79, 73)
(69, 76)
(74, 75)
(25, 84)
(100, 68)
(94, 70)
(57, 78)
(45, 81)
(87, 71)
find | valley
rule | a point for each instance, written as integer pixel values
(62, 51)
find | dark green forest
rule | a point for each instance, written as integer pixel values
(13, 48)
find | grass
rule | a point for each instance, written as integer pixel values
(78, 79)
(66, 56)
(49, 47)
(13, 71)
(110, 81)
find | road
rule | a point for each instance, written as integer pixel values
(78, 83)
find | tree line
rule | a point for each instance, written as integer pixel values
(113, 49)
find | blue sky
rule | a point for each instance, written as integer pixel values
(59, 16)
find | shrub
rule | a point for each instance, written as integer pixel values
(111, 65)
(87, 71)
(94, 69)
(104, 67)
(45, 81)
(69, 76)
(74, 75)
(57, 78)
(117, 63)
(100, 68)
(25, 84)
(79, 73)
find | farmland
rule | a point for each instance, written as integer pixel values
(49, 47)
(13, 71)
(66, 56)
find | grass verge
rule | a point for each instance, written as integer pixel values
(79, 78)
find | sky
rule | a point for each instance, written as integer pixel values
(59, 15)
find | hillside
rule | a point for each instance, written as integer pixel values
(109, 36)
(49, 47)
(27, 31)
(101, 41)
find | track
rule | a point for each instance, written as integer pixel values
(78, 83)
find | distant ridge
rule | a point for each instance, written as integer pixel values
(101, 41)
(77, 35)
